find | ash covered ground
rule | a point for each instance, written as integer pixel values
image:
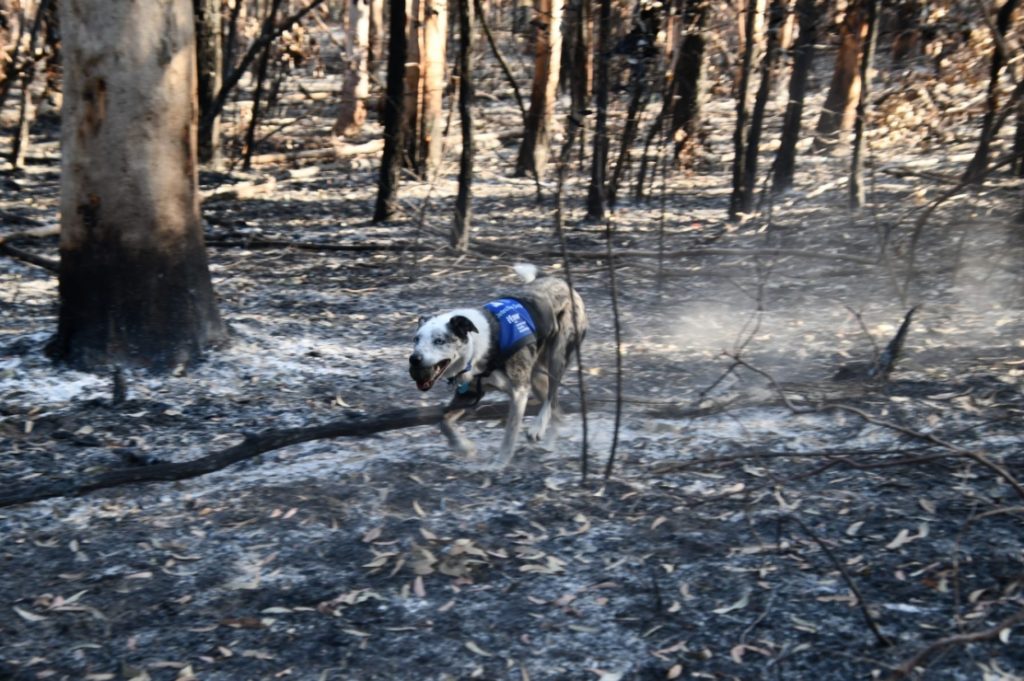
(761, 520)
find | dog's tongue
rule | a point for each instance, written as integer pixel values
(424, 385)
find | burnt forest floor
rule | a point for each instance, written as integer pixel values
(751, 495)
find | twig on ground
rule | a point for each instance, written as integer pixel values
(908, 666)
(882, 639)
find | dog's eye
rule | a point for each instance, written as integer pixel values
(439, 341)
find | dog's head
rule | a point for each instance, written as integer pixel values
(441, 348)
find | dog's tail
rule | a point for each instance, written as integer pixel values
(526, 271)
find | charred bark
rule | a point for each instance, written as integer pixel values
(739, 137)
(977, 167)
(803, 57)
(134, 283)
(463, 201)
(776, 17)
(210, 63)
(394, 115)
(685, 92)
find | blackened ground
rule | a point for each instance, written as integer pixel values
(703, 556)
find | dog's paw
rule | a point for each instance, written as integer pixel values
(535, 434)
(466, 449)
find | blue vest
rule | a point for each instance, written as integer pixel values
(515, 325)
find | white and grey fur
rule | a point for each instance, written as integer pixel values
(461, 346)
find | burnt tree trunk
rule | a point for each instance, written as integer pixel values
(803, 58)
(210, 61)
(975, 172)
(840, 108)
(578, 65)
(596, 194)
(134, 283)
(257, 96)
(463, 201)
(857, 194)
(376, 49)
(739, 136)
(534, 150)
(394, 115)
(776, 18)
(685, 93)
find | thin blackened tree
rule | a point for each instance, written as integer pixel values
(261, 78)
(135, 287)
(685, 92)
(739, 136)
(808, 12)
(210, 70)
(776, 17)
(394, 114)
(979, 163)
(857, 167)
(577, 62)
(639, 49)
(463, 201)
(596, 195)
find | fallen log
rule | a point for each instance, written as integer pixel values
(251, 446)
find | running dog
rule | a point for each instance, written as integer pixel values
(513, 343)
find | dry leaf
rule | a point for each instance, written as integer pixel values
(854, 528)
(372, 535)
(674, 672)
(29, 616)
(474, 648)
(741, 603)
(418, 588)
(658, 521)
(927, 504)
(419, 509)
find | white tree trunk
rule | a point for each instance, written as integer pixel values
(356, 88)
(134, 282)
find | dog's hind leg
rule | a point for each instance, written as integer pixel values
(554, 368)
(451, 430)
(519, 394)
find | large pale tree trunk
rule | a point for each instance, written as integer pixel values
(356, 87)
(134, 283)
(533, 153)
(433, 60)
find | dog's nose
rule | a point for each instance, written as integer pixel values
(415, 358)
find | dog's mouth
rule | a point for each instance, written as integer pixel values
(427, 382)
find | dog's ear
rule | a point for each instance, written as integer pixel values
(423, 318)
(461, 326)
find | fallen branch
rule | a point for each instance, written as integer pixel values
(251, 446)
(49, 264)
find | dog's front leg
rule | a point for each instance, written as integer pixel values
(451, 430)
(518, 397)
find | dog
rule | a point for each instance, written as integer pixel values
(514, 343)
